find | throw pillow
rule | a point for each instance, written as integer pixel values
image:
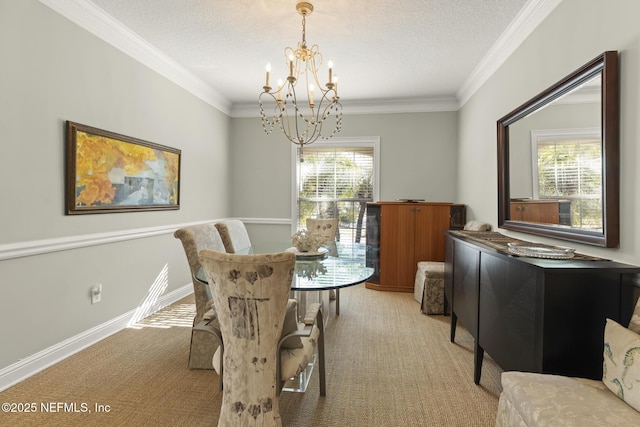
(634, 324)
(291, 325)
(621, 369)
(477, 226)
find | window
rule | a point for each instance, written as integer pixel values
(335, 180)
(568, 166)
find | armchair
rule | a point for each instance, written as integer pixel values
(533, 399)
(251, 295)
(328, 229)
(194, 239)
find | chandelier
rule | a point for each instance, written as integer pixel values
(301, 106)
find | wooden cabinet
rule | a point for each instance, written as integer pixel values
(399, 235)
(535, 315)
(541, 211)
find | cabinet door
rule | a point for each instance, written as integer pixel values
(546, 212)
(510, 313)
(516, 211)
(397, 265)
(430, 225)
(373, 241)
(465, 286)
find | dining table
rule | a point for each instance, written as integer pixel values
(333, 266)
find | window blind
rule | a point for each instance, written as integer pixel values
(336, 182)
(572, 169)
(569, 168)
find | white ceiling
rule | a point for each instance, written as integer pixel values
(385, 51)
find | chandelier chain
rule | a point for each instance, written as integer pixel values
(304, 30)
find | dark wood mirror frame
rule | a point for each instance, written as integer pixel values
(607, 66)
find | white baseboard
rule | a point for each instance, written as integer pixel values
(35, 363)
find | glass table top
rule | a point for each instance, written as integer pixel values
(344, 264)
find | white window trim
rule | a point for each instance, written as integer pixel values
(538, 136)
(360, 141)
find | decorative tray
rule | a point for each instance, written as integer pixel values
(320, 253)
(538, 250)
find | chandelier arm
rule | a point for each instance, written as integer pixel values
(317, 131)
(315, 56)
(325, 98)
(337, 106)
(301, 138)
(287, 120)
(268, 123)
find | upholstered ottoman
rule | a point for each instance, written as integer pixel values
(429, 287)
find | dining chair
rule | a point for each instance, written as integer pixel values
(234, 235)
(251, 293)
(195, 238)
(325, 227)
(328, 229)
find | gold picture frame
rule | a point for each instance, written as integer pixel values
(108, 172)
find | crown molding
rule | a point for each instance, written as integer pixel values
(398, 105)
(96, 21)
(527, 20)
(93, 19)
(370, 106)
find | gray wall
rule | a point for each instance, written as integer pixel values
(575, 32)
(52, 71)
(417, 160)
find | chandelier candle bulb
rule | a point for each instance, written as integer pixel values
(311, 103)
(279, 90)
(290, 65)
(268, 71)
(330, 71)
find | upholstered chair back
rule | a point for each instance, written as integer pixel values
(234, 235)
(326, 227)
(250, 293)
(194, 239)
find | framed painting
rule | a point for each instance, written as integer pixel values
(108, 172)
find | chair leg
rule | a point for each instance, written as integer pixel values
(220, 383)
(337, 302)
(203, 326)
(278, 373)
(321, 370)
(454, 322)
(201, 349)
(319, 322)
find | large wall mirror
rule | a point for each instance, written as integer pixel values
(558, 159)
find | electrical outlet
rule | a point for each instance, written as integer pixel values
(96, 293)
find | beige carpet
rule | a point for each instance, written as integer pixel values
(387, 365)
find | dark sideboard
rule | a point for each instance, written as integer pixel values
(531, 314)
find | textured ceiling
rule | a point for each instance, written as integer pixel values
(382, 49)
